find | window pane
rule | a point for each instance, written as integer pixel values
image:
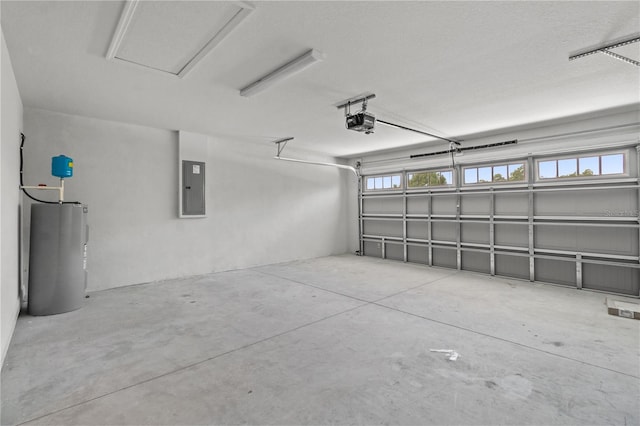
(516, 172)
(500, 173)
(547, 169)
(446, 178)
(484, 174)
(417, 180)
(386, 182)
(471, 175)
(567, 168)
(433, 178)
(370, 183)
(395, 181)
(589, 166)
(612, 164)
(379, 183)
(425, 179)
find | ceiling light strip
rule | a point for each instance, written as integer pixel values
(620, 57)
(287, 70)
(635, 39)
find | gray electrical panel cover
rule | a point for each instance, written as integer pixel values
(57, 258)
(193, 190)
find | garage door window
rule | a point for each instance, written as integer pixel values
(385, 182)
(588, 166)
(499, 173)
(426, 179)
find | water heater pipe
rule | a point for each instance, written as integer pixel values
(60, 189)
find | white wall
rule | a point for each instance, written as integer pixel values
(11, 124)
(259, 210)
(191, 147)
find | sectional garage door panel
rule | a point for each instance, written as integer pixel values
(476, 261)
(556, 271)
(596, 203)
(372, 248)
(579, 230)
(476, 233)
(444, 231)
(444, 205)
(605, 240)
(611, 279)
(512, 266)
(418, 205)
(511, 204)
(514, 235)
(394, 251)
(382, 205)
(475, 204)
(417, 229)
(556, 237)
(445, 257)
(385, 228)
(418, 254)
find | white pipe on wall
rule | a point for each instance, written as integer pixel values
(319, 163)
(60, 189)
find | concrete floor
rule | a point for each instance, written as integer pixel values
(335, 340)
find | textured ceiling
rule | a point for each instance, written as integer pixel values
(166, 36)
(451, 68)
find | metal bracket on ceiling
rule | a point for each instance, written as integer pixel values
(281, 144)
(606, 49)
(357, 99)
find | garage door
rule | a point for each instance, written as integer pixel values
(571, 220)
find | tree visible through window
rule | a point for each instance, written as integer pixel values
(426, 179)
(491, 174)
(595, 165)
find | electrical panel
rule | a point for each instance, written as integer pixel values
(193, 188)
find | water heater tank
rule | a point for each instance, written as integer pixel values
(57, 259)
